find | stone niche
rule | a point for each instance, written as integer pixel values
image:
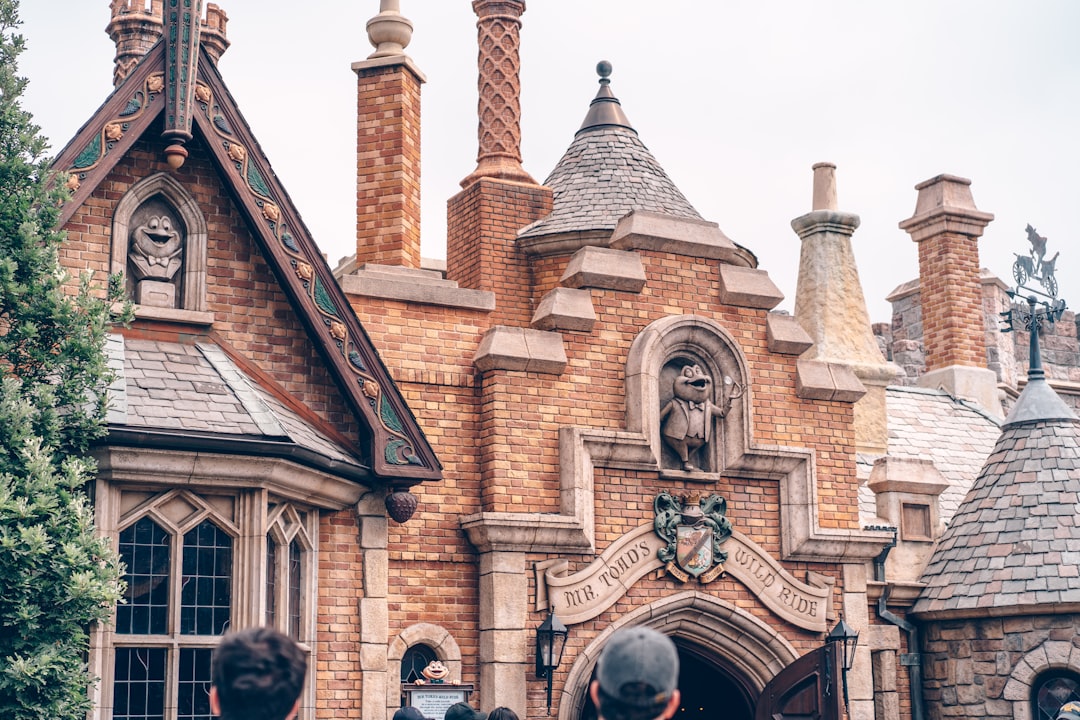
(159, 245)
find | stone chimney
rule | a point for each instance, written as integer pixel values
(135, 28)
(499, 109)
(830, 306)
(946, 226)
(499, 198)
(388, 145)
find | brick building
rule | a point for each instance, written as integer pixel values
(593, 410)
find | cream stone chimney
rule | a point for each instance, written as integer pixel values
(388, 145)
(946, 226)
(830, 306)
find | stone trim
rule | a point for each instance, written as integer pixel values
(193, 280)
(753, 649)
(785, 335)
(427, 287)
(565, 309)
(604, 269)
(435, 637)
(1050, 655)
(748, 287)
(522, 349)
(820, 380)
(644, 230)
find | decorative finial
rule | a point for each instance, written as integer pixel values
(605, 109)
(389, 32)
(603, 69)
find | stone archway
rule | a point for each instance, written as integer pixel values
(752, 651)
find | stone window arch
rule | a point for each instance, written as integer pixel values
(146, 203)
(1051, 659)
(659, 354)
(435, 637)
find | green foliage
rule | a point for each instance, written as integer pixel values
(56, 576)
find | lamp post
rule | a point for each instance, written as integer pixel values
(846, 641)
(550, 641)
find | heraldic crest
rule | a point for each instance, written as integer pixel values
(694, 529)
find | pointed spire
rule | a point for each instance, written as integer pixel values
(605, 110)
(1038, 401)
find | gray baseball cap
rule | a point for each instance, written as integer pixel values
(638, 669)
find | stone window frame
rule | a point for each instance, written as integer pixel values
(435, 637)
(247, 491)
(193, 273)
(1051, 655)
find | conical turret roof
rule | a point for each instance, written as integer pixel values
(606, 173)
(1014, 543)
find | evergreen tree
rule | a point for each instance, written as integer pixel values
(56, 576)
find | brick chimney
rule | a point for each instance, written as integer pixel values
(499, 197)
(831, 307)
(388, 145)
(135, 28)
(947, 226)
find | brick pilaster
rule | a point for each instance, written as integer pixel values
(481, 246)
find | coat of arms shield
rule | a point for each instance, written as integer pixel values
(694, 529)
(693, 549)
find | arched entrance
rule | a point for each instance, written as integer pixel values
(727, 656)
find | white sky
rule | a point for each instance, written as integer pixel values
(735, 99)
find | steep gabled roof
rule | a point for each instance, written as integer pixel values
(400, 453)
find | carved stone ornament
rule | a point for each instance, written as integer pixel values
(695, 529)
(686, 420)
(156, 244)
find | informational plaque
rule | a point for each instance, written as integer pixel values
(434, 699)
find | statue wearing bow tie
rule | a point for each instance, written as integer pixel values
(686, 421)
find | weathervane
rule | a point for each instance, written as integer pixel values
(1039, 312)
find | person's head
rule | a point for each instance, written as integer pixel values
(257, 674)
(502, 713)
(408, 713)
(637, 676)
(463, 711)
(1069, 711)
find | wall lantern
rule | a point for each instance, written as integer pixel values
(846, 641)
(550, 641)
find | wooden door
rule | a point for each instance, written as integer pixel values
(807, 689)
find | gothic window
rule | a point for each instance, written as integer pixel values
(415, 659)
(1051, 691)
(179, 599)
(288, 572)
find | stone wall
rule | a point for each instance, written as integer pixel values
(986, 668)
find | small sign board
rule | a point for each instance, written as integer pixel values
(435, 699)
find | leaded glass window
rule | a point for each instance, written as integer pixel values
(1053, 690)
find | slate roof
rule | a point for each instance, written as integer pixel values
(1015, 541)
(606, 173)
(930, 424)
(196, 389)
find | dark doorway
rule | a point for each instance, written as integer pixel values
(708, 690)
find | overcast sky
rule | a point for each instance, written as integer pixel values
(735, 99)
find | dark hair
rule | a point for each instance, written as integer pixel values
(502, 713)
(258, 673)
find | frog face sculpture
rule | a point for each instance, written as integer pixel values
(693, 385)
(155, 249)
(435, 672)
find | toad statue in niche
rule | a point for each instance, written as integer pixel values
(686, 421)
(155, 254)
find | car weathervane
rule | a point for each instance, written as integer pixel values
(1044, 307)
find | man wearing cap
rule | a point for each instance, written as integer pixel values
(636, 676)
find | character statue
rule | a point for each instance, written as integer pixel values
(155, 250)
(435, 673)
(686, 421)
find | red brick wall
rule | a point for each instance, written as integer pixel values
(951, 293)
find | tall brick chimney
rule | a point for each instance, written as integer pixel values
(947, 226)
(388, 145)
(135, 28)
(830, 306)
(499, 197)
